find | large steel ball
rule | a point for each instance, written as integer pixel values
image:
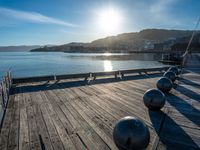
(164, 84)
(154, 99)
(174, 69)
(170, 75)
(131, 133)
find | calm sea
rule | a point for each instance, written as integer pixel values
(26, 64)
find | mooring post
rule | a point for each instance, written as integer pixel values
(116, 75)
(86, 77)
(54, 77)
(89, 78)
(10, 78)
(5, 81)
(6, 88)
(122, 75)
(119, 73)
(1, 95)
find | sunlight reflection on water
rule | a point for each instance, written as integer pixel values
(108, 65)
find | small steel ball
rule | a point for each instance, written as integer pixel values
(170, 75)
(174, 69)
(154, 99)
(164, 84)
(131, 133)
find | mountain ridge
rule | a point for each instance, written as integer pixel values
(124, 42)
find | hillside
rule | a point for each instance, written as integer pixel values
(125, 42)
(138, 39)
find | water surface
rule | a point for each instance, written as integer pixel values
(26, 64)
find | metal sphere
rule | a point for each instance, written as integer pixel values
(131, 133)
(170, 75)
(174, 69)
(164, 84)
(154, 99)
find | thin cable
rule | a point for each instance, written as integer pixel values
(194, 31)
(184, 56)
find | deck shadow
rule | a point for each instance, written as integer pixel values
(170, 133)
(187, 92)
(184, 108)
(62, 85)
(189, 82)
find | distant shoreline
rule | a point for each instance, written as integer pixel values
(108, 51)
(125, 52)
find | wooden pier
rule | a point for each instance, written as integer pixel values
(77, 114)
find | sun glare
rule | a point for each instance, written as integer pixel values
(107, 65)
(109, 21)
(107, 54)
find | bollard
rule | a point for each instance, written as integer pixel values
(154, 99)
(131, 133)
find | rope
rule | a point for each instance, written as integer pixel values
(184, 56)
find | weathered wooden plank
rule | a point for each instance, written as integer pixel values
(95, 117)
(43, 134)
(87, 142)
(88, 131)
(7, 124)
(57, 118)
(73, 76)
(124, 98)
(55, 139)
(24, 143)
(33, 133)
(105, 73)
(32, 79)
(14, 129)
(56, 105)
(86, 75)
(84, 126)
(63, 134)
(105, 116)
(108, 142)
(78, 92)
(145, 70)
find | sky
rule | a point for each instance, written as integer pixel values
(41, 22)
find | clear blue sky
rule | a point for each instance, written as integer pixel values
(29, 22)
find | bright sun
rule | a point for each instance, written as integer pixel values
(109, 21)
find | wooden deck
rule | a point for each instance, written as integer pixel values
(71, 114)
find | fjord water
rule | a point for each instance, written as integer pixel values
(27, 64)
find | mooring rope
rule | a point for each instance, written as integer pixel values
(184, 56)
